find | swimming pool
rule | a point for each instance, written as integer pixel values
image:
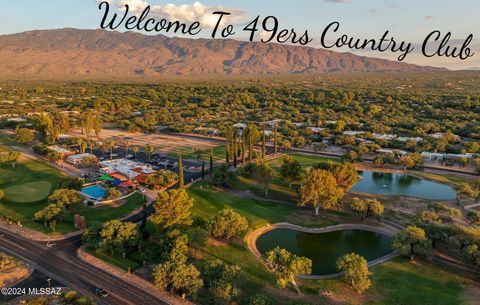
(95, 192)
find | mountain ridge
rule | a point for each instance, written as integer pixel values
(44, 54)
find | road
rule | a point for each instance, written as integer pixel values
(61, 263)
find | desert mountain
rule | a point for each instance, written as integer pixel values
(73, 53)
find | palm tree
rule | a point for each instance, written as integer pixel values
(135, 150)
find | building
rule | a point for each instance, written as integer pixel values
(385, 151)
(430, 156)
(62, 151)
(317, 129)
(78, 159)
(126, 168)
(353, 133)
(406, 139)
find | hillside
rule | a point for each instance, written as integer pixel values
(73, 53)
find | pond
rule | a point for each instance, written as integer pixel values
(325, 248)
(380, 183)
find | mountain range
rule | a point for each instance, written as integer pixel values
(78, 54)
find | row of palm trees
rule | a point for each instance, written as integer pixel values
(107, 146)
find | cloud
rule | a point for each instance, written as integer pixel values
(183, 13)
(429, 17)
(339, 1)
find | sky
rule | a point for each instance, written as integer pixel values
(409, 21)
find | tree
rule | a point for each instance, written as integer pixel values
(264, 141)
(228, 224)
(466, 236)
(320, 190)
(222, 280)
(135, 150)
(210, 169)
(54, 156)
(24, 135)
(275, 141)
(172, 208)
(263, 176)
(175, 274)
(407, 162)
(67, 198)
(445, 213)
(181, 179)
(222, 176)
(410, 238)
(148, 149)
(367, 208)
(203, 170)
(50, 215)
(287, 266)
(10, 157)
(113, 193)
(345, 174)
(355, 268)
(290, 170)
(464, 190)
(161, 178)
(113, 236)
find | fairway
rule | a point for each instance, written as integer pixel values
(28, 192)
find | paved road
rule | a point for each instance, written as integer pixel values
(61, 263)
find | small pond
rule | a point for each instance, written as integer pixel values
(325, 248)
(402, 184)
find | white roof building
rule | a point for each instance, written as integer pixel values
(353, 133)
(77, 159)
(405, 139)
(317, 129)
(128, 168)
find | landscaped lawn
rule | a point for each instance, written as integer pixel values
(399, 282)
(27, 187)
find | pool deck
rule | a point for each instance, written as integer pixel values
(251, 240)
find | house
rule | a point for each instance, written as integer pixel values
(387, 137)
(78, 159)
(385, 151)
(406, 139)
(353, 133)
(430, 156)
(317, 129)
(16, 120)
(62, 151)
(441, 135)
(240, 126)
(208, 131)
(125, 169)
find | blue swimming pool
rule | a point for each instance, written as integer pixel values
(96, 192)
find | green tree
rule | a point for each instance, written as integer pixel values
(210, 169)
(290, 170)
(320, 190)
(10, 157)
(355, 268)
(222, 281)
(228, 224)
(263, 176)
(24, 135)
(113, 193)
(222, 176)
(464, 190)
(367, 208)
(172, 208)
(148, 149)
(176, 275)
(67, 198)
(50, 215)
(411, 238)
(345, 174)
(118, 237)
(287, 266)
(54, 156)
(181, 179)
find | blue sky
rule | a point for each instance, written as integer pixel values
(406, 20)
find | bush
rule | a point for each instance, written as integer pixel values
(228, 224)
(260, 299)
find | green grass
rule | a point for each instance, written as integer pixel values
(27, 187)
(28, 192)
(120, 262)
(399, 282)
(208, 202)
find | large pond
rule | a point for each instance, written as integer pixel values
(325, 248)
(401, 184)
